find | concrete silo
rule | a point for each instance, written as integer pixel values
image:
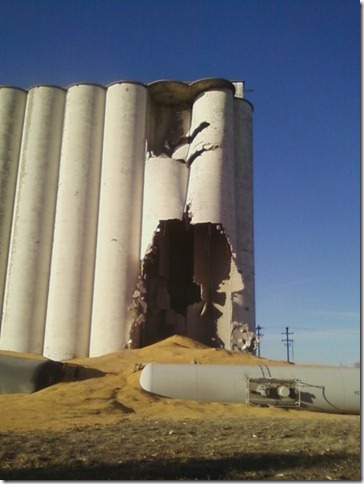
(133, 216)
(120, 214)
(74, 244)
(12, 107)
(29, 257)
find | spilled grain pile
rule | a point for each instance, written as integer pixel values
(105, 390)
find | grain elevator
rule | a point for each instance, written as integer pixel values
(126, 216)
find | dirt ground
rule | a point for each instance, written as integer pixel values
(254, 448)
(98, 424)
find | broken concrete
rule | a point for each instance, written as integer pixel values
(189, 269)
(188, 285)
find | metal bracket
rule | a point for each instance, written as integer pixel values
(273, 392)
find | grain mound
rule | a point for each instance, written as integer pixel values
(105, 390)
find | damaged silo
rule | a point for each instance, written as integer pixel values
(153, 221)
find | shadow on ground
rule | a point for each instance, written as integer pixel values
(253, 467)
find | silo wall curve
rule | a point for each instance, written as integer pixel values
(120, 215)
(67, 332)
(26, 289)
(12, 108)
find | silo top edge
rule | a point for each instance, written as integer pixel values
(14, 88)
(53, 86)
(126, 82)
(163, 91)
(167, 91)
(93, 84)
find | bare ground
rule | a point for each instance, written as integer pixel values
(252, 448)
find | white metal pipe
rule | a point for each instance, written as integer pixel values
(33, 219)
(325, 389)
(119, 225)
(12, 107)
(73, 259)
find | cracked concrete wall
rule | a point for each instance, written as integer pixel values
(210, 194)
(149, 231)
(166, 172)
(192, 175)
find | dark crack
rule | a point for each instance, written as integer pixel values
(198, 153)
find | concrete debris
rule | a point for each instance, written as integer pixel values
(242, 339)
(187, 285)
(138, 367)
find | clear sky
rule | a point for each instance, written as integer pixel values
(302, 59)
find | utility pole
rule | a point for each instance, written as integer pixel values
(288, 342)
(259, 336)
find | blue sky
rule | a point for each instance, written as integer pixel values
(302, 59)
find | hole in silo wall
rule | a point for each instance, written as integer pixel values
(179, 290)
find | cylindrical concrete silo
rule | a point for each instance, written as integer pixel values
(164, 195)
(211, 206)
(27, 279)
(210, 195)
(12, 107)
(120, 213)
(73, 258)
(166, 174)
(243, 153)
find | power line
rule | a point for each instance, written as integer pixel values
(326, 331)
